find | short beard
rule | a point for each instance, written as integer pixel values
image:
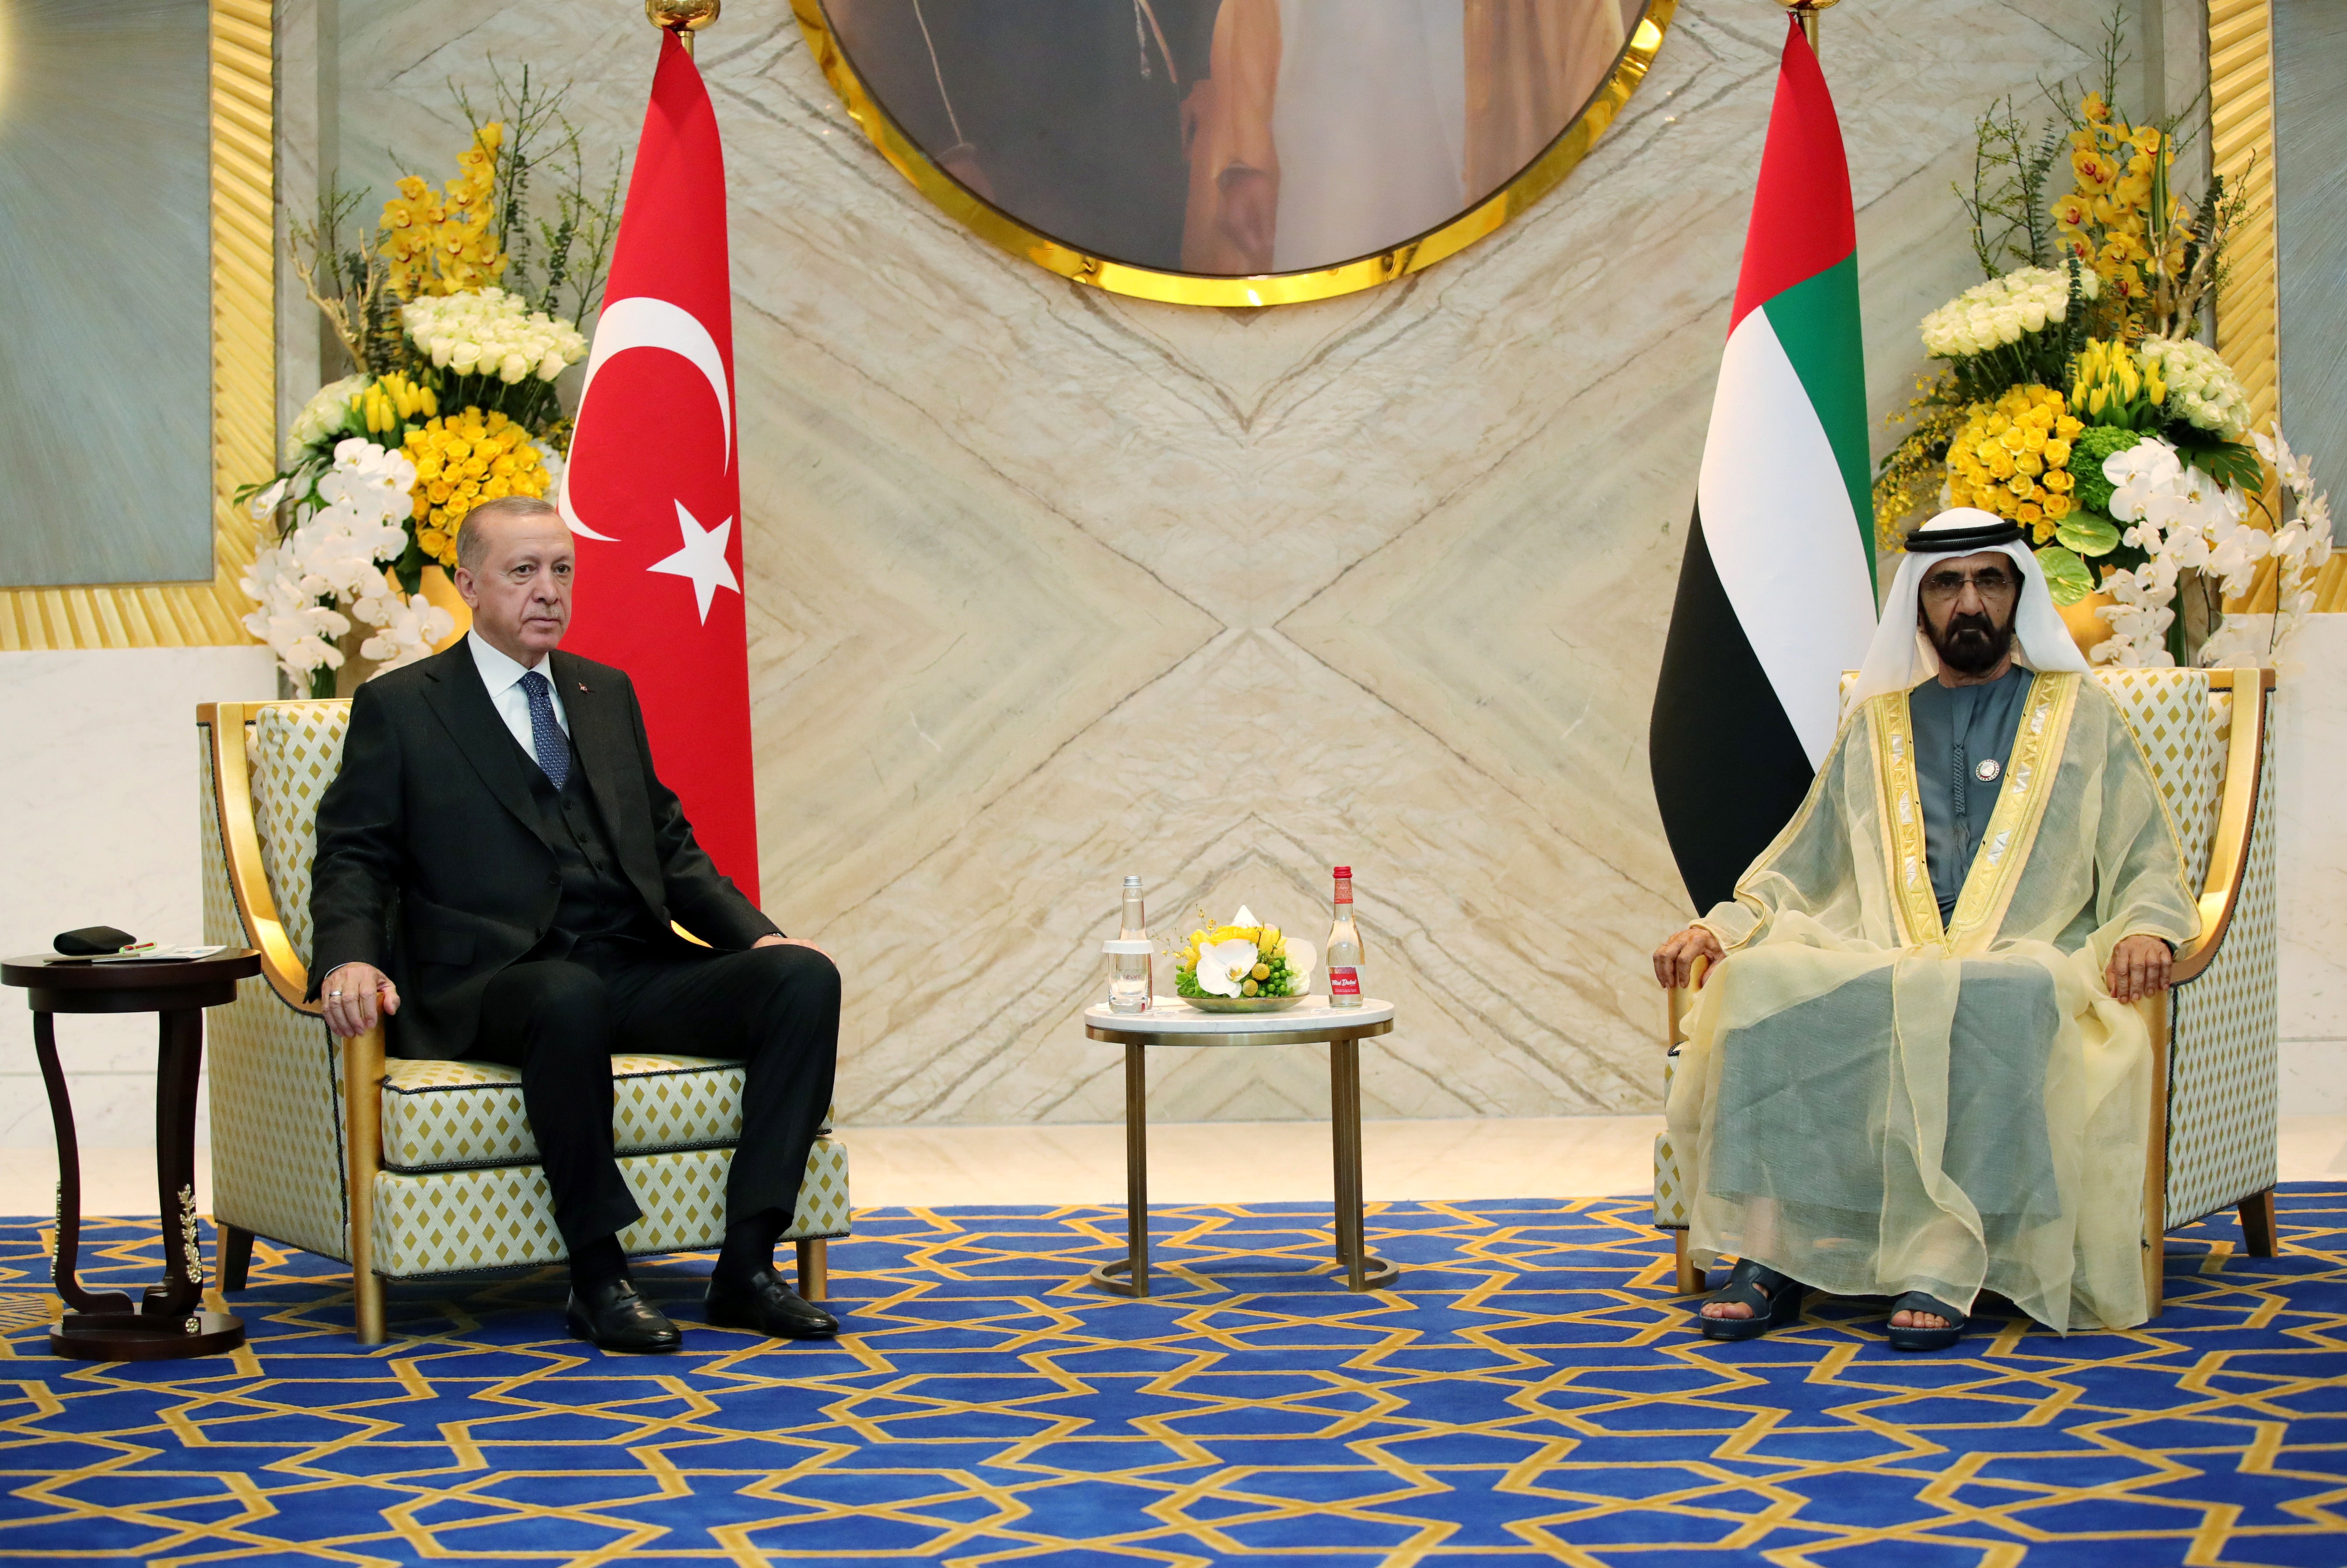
(1970, 644)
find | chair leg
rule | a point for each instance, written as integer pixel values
(366, 1296)
(815, 1269)
(2258, 1225)
(235, 1257)
(1690, 1279)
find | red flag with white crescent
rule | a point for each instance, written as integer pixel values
(652, 489)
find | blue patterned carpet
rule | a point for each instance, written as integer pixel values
(1533, 1393)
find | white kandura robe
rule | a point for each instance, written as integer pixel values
(1872, 1105)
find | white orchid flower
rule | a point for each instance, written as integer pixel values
(2237, 554)
(1223, 966)
(1301, 957)
(2201, 502)
(2138, 477)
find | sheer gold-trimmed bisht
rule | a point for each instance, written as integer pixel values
(1877, 1104)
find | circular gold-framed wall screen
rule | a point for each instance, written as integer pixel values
(999, 228)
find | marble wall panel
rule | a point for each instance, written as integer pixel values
(1048, 586)
(99, 788)
(2311, 750)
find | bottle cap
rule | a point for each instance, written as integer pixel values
(1344, 871)
(1132, 882)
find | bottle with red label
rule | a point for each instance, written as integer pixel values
(1342, 956)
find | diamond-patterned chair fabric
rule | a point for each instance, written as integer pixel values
(295, 751)
(2223, 1097)
(452, 1115)
(457, 1149)
(2224, 1029)
(1670, 1186)
(276, 1114)
(502, 1216)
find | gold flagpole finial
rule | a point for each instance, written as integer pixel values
(1807, 10)
(684, 17)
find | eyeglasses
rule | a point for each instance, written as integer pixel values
(1991, 583)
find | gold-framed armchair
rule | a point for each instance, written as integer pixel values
(2214, 1138)
(413, 1170)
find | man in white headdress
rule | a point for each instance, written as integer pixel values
(1913, 1071)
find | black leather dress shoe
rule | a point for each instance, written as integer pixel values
(615, 1317)
(760, 1300)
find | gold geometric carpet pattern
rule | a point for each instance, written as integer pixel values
(1532, 1392)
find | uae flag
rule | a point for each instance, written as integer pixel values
(1777, 590)
(652, 490)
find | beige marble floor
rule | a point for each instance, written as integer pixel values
(1190, 1161)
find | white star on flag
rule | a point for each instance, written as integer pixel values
(703, 559)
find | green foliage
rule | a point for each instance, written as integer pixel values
(2232, 463)
(2087, 534)
(2067, 576)
(346, 279)
(2011, 222)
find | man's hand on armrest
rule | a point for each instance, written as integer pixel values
(778, 940)
(357, 998)
(1674, 960)
(2138, 968)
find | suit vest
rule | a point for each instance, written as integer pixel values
(598, 900)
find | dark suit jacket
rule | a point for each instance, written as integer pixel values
(433, 863)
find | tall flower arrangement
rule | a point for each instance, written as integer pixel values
(457, 312)
(2074, 395)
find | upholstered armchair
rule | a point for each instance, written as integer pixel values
(2215, 1035)
(411, 1169)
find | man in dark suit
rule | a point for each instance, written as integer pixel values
(497, 869)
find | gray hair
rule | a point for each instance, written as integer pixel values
(472, 538)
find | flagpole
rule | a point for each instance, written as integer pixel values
(1807, 10)
(686, 17)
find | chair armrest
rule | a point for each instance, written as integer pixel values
(240, 848)
(1675, 1002)
(2236, 818)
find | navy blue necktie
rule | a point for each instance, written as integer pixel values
(553, 747)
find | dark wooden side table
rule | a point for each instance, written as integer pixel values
(169, 1320)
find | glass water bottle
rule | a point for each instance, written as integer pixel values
(1342, 956)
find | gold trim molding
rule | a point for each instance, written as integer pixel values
(244, 381)
(2249, 310)
(2241, 148)
(1005, 232)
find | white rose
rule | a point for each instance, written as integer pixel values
(512, 368)
(2033, 315)
(463, 357)
(549, 367)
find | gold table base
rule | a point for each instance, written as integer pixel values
(1128, 1275)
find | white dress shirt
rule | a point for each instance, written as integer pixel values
(503, 676)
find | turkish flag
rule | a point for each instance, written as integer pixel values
(652, 489)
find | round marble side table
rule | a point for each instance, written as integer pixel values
(1171, 1021)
